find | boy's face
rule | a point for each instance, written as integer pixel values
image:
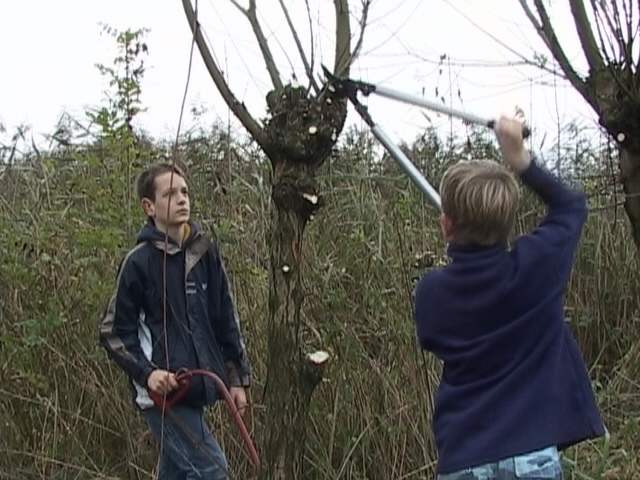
(169, 193)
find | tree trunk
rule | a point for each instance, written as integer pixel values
(630, 176)
(619, 114)
(298, 135)
(287, 407)
(292, 374)
(304, 131)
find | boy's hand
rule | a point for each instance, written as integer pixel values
(239, 397)
(162, 382)
(509, 134)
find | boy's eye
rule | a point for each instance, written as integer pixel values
(170, 193)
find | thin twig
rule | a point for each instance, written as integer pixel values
(237, 107)
(296, 38)
(252, 16)
(547, 34)
(363, 24)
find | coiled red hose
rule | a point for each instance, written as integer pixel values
(166, 402)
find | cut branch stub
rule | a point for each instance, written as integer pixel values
(315, 366)
(301, 128)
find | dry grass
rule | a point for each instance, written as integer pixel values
(65, 410)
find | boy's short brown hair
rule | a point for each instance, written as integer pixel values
(146, 183)
(481, 198)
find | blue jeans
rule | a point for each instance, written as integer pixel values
(539, 465)
(186, 456)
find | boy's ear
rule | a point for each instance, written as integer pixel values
(446, 225)
(149, 207)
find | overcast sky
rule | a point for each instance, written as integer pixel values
(50, 48)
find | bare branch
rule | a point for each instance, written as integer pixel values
(264, 46)
(637, 74)
(615, 33)
(547, 34)
(296, 38)
(536, 63)
(628, 14)
(363, 24)
(618, 30)
(600, 26)
(310, 34)
(238, 108)
(342, 63)
(252, 16)
(238, 6)
(625, 43)
(613, 30)
(585, 34)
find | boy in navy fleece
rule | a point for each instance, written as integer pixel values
(514, 388)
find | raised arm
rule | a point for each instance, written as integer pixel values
(566, 213)
(558, 234)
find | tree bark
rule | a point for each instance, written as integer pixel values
(630, 176)
(619, 114)
(291, 379)
(304, 129)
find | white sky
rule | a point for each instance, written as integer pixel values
(49, 49)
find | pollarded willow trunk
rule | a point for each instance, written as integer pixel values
(630, 177)
(619, 114)
(297, 137)
(290, 369)
(304, 131)
(284, 408)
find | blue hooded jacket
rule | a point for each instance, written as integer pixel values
(513, 378)
(190, 323)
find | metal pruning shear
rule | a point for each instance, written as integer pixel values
(345, 87)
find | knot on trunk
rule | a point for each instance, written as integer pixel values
(301, 128)
(622, 122)
(297, 193)
(618, 105)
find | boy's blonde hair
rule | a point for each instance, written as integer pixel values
(481, 198)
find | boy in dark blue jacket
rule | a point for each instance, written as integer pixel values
(172, 308)
(514, 388)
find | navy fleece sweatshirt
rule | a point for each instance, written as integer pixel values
(513, 379)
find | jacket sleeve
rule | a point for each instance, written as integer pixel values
(228, 332)
(558, 234)
(422, 312)
(119, 325)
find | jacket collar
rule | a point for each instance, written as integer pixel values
(461, 253)
(158, 239)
